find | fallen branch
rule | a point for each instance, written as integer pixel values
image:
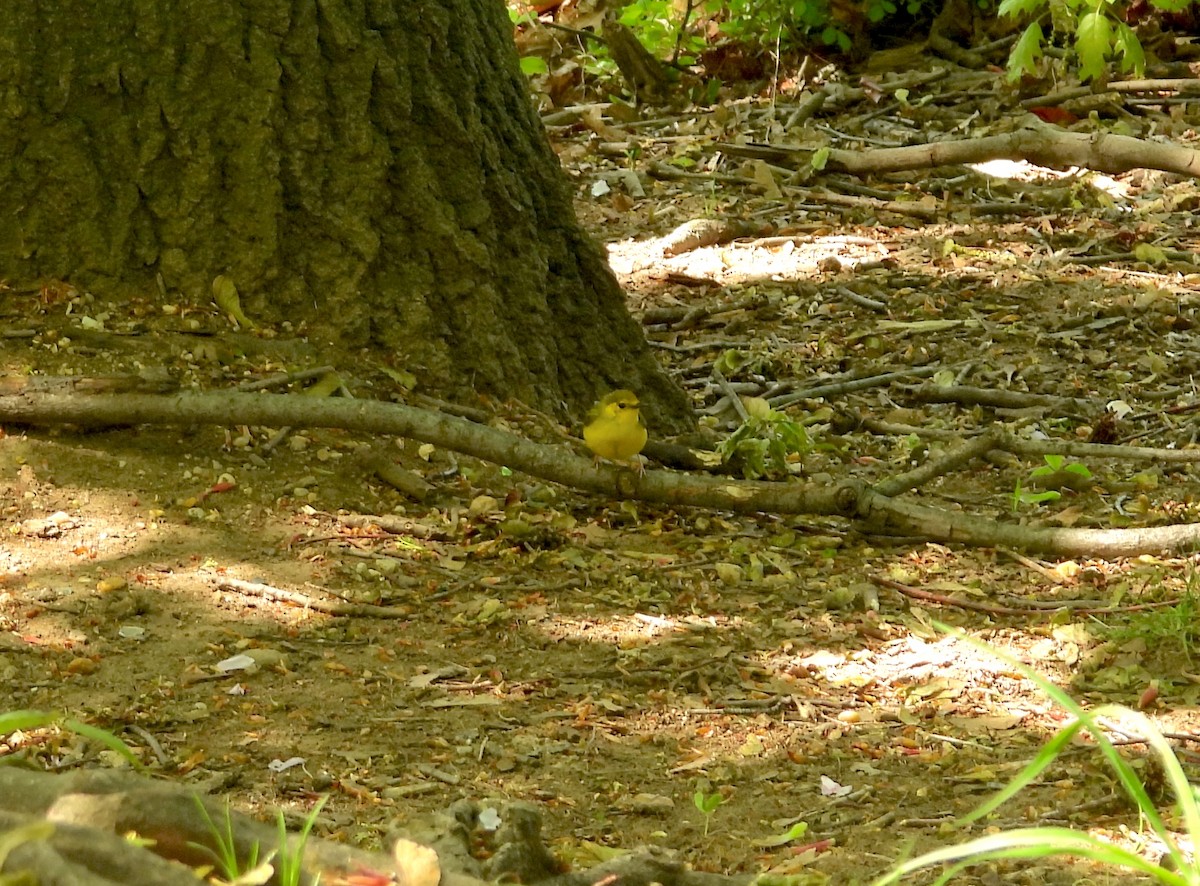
(275, 594)
(871, 509)
(1045, 609)
(1043, 145)
(817, 197)
(1177, 87)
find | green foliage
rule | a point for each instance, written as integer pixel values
(878, 10)
(1022, 496)
(291, 871)
(795, 832)
(1099, 35)
(707, 804)
(287, 870)
(1178, 868)
(765, 23)
(1127, 45)
(225, 853)
(1026, 52)
(1054, 464)
(1164, 628)
(765, 441)
(1020, 7)
(657, 24)
(531, 64)
(1093, 37)
(13, 721)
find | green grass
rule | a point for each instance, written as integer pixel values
(1179, 868)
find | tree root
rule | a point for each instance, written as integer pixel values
(78, 828)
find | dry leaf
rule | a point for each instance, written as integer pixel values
(417, 865)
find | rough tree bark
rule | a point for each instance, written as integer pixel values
(370, 170)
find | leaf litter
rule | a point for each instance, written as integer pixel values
(611, 661)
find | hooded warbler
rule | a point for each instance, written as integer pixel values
(614, 429)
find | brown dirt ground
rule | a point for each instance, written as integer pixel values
(607, 660)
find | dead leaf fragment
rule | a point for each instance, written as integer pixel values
(417, 865)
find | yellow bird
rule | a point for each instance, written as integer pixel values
(615, 430)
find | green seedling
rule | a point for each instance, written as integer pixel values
(1022, 496)
(1056, 463)
(1057, 471)
(707, 804)
(795, 832)
(767, 440)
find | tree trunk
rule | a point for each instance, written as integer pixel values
(370, 171)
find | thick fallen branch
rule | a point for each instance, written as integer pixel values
(872, 509)
(1043, 145)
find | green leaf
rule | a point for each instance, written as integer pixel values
(832, 36)
(632, 15)
(1028, 843)
(1037, 498)
(1150, 253)
(795, 832)
(11, 721)
(1026, 52)
(1044, 759)
(225, 294)
(532, 64)
(1133, 59)
(1092, 40)
(819, 158)
(878, 11)
(731, 361)
(1020, 7)
(1036, 842)
(104, 737)
(712, 91)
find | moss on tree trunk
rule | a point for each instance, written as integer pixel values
(371, 171)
